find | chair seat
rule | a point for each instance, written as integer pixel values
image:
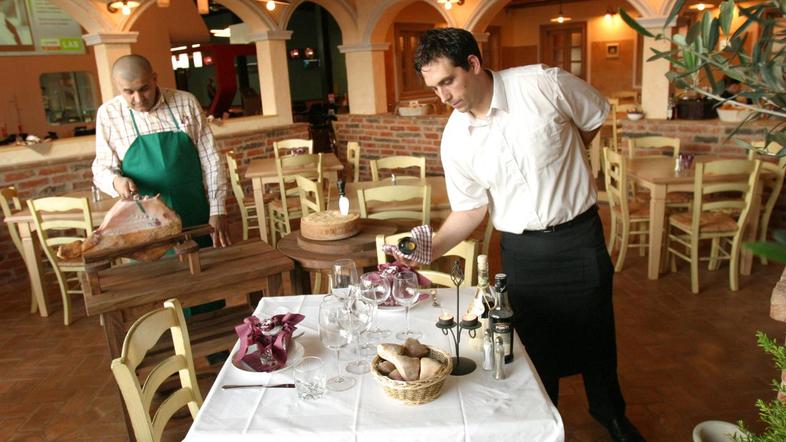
(292, 203)
(679, 197)
(637, 208)
(710, 222)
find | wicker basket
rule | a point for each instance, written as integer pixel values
(415, 392)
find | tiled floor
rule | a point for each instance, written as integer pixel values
(684, 358)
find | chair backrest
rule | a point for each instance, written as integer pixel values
(467, 249)
(612, 120)
(653, 146)
(615, 176)
(287, 168)
(292, 146)
(10, 204)
(733, 194)
(353, 158)
(393, 194)
(626, 96)
(234, 178)
(54, 230)
(307, 187)
(397, 162)
(774, 185)
(141, 337)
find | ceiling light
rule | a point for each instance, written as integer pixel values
(448, 4)
(124, 6)
(701, 6)
(271, 4)
(226, 33)
(560, 18)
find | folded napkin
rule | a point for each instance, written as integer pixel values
(261, 347)
(422, 254)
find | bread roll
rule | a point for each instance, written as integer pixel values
(429, 368)
(413, 348)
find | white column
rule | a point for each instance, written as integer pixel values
(654, 85)
(108, 47)
(273, 73)
(366, 77)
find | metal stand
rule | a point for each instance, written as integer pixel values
(461, 365)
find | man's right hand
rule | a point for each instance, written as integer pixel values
(124, 186)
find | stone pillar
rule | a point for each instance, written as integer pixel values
(273, 68)
(108, 47)
(366, 77)
(654, 85)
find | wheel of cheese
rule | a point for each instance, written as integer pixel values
(329, 225)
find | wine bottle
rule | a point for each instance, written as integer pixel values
(483, 301)
(407, 245)
(501, 316)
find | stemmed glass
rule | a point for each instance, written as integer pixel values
(356, 319)
(334, 337)
(405, 292)
(375, 287)
(345, 275)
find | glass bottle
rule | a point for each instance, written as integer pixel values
(670, 109)
(483, 301)
(501, 317)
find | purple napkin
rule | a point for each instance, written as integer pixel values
(270, 352)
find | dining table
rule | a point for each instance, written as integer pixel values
(31, 249)
(658, 175)
(473, 407)
(262, 172)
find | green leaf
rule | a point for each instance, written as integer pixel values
(693, 33)
(674, 11)
(706, 27)
(679, 39)
(712, 41)
(726, 15)
(769, 250)
(634, 24)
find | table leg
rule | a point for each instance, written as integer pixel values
(750, 234)
(32, 258)
(259, 202)
(657, 220)
(301, 281)
(274, 285)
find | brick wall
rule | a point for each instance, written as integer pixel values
(56, 178)
(388, 135)
(703, 137)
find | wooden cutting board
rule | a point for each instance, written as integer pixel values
(363, 241)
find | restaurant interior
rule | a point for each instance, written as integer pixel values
(334, 80)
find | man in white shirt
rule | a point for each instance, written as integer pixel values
(515, 146)
(151, 140)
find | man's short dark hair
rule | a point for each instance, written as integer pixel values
(455, 44)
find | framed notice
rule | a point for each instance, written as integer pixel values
(612, 50)
(37, 27)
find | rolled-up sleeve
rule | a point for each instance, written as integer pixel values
(106, 165)
(213, 171)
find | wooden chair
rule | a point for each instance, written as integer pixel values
(283, 210)
(10, 204)
(141, 337)
(56, 230)
(624, 213)
(772, 187)
(653, 147)
(720, 212)
(353, 158)
(467, 250)
(397, 162)
(306, 187)
(292, 146)
(393, 194)
(248, 210)
(626, 97)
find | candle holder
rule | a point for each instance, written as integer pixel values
(446, 323)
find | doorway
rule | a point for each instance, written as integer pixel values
(565, 46)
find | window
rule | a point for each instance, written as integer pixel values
(564, 46)
(68, 97)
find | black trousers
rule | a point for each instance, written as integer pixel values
(560, 288)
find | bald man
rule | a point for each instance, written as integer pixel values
(151, 140)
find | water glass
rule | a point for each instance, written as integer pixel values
(374, 286)
(310, 379)
(344, 276)
(405, 292)
(356, 319)
(334, 337)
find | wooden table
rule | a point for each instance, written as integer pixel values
(318, 256)
(263, 171)
(658, 175)
(31, 249)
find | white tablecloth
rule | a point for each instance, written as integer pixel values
(474, 407)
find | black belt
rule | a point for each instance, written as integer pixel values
(589, 213)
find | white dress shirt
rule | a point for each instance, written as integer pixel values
(115, 133)
(526, 158)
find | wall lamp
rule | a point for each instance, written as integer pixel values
(124, 6)
(448, 4)
(271, 4)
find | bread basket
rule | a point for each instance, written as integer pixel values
(415, 392)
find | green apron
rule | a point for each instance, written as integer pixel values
(167, 163)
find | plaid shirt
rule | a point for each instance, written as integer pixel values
(115, 133)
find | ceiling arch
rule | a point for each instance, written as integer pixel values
(385, 13)
(344, 14)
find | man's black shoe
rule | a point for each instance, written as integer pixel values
(622, 430)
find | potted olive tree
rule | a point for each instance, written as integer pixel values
(710, 50)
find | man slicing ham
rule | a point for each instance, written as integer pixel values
(151, 140)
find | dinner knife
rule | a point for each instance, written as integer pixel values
(228, 387)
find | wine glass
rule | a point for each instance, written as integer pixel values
(375, 287)
(405, 292)
(344, 275)
(334, 337)
(356, 319)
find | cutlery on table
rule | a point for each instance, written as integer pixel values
(228, 387)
